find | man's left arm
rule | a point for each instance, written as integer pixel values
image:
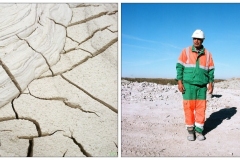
(211, 75)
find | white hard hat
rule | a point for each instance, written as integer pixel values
(198, 34)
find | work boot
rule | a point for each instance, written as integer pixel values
(191, 134)
(200, 136)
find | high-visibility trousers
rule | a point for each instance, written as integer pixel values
(194, 103)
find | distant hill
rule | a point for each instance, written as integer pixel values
(163, 81)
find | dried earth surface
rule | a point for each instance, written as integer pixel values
(58, 80)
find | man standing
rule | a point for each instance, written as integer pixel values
(195, 70)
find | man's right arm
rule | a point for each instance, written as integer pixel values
(180, 86)
(180, 68)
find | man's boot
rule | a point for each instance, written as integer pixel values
(191, 133)
(199, 134)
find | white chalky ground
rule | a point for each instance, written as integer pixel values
(153, 122)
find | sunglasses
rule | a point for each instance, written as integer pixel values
(197, 39)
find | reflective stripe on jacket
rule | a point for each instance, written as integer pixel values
(195, 67)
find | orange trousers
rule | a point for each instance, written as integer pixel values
(194, 103)
(194, 111)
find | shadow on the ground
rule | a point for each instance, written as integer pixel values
(216, 95)
(216, 118)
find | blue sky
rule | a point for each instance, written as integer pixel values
(154, 34)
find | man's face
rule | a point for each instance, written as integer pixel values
(197, 42)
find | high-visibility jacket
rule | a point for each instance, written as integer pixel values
(195, 67)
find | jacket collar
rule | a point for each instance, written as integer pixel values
(201, 51)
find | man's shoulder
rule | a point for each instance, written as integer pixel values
(206, 50)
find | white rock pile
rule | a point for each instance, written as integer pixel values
(146, 91)
(233, 83)
(134, 92)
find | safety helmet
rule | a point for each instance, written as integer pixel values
(198, 34)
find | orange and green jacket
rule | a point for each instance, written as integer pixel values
(195, 67)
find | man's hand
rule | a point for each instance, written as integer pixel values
(210, 88)
(180, 86)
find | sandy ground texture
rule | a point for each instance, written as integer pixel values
(58, 80)
(153, 122)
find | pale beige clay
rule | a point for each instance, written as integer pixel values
(58, 80)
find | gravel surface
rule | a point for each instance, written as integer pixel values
(153, 121)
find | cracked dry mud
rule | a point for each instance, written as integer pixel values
(153, 122)
(58, 80)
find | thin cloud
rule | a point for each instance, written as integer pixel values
(145, 62)
(139, 39)
(155, 53)
(138, 46)
(150, 41)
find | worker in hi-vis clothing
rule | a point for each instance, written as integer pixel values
(195, 75)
